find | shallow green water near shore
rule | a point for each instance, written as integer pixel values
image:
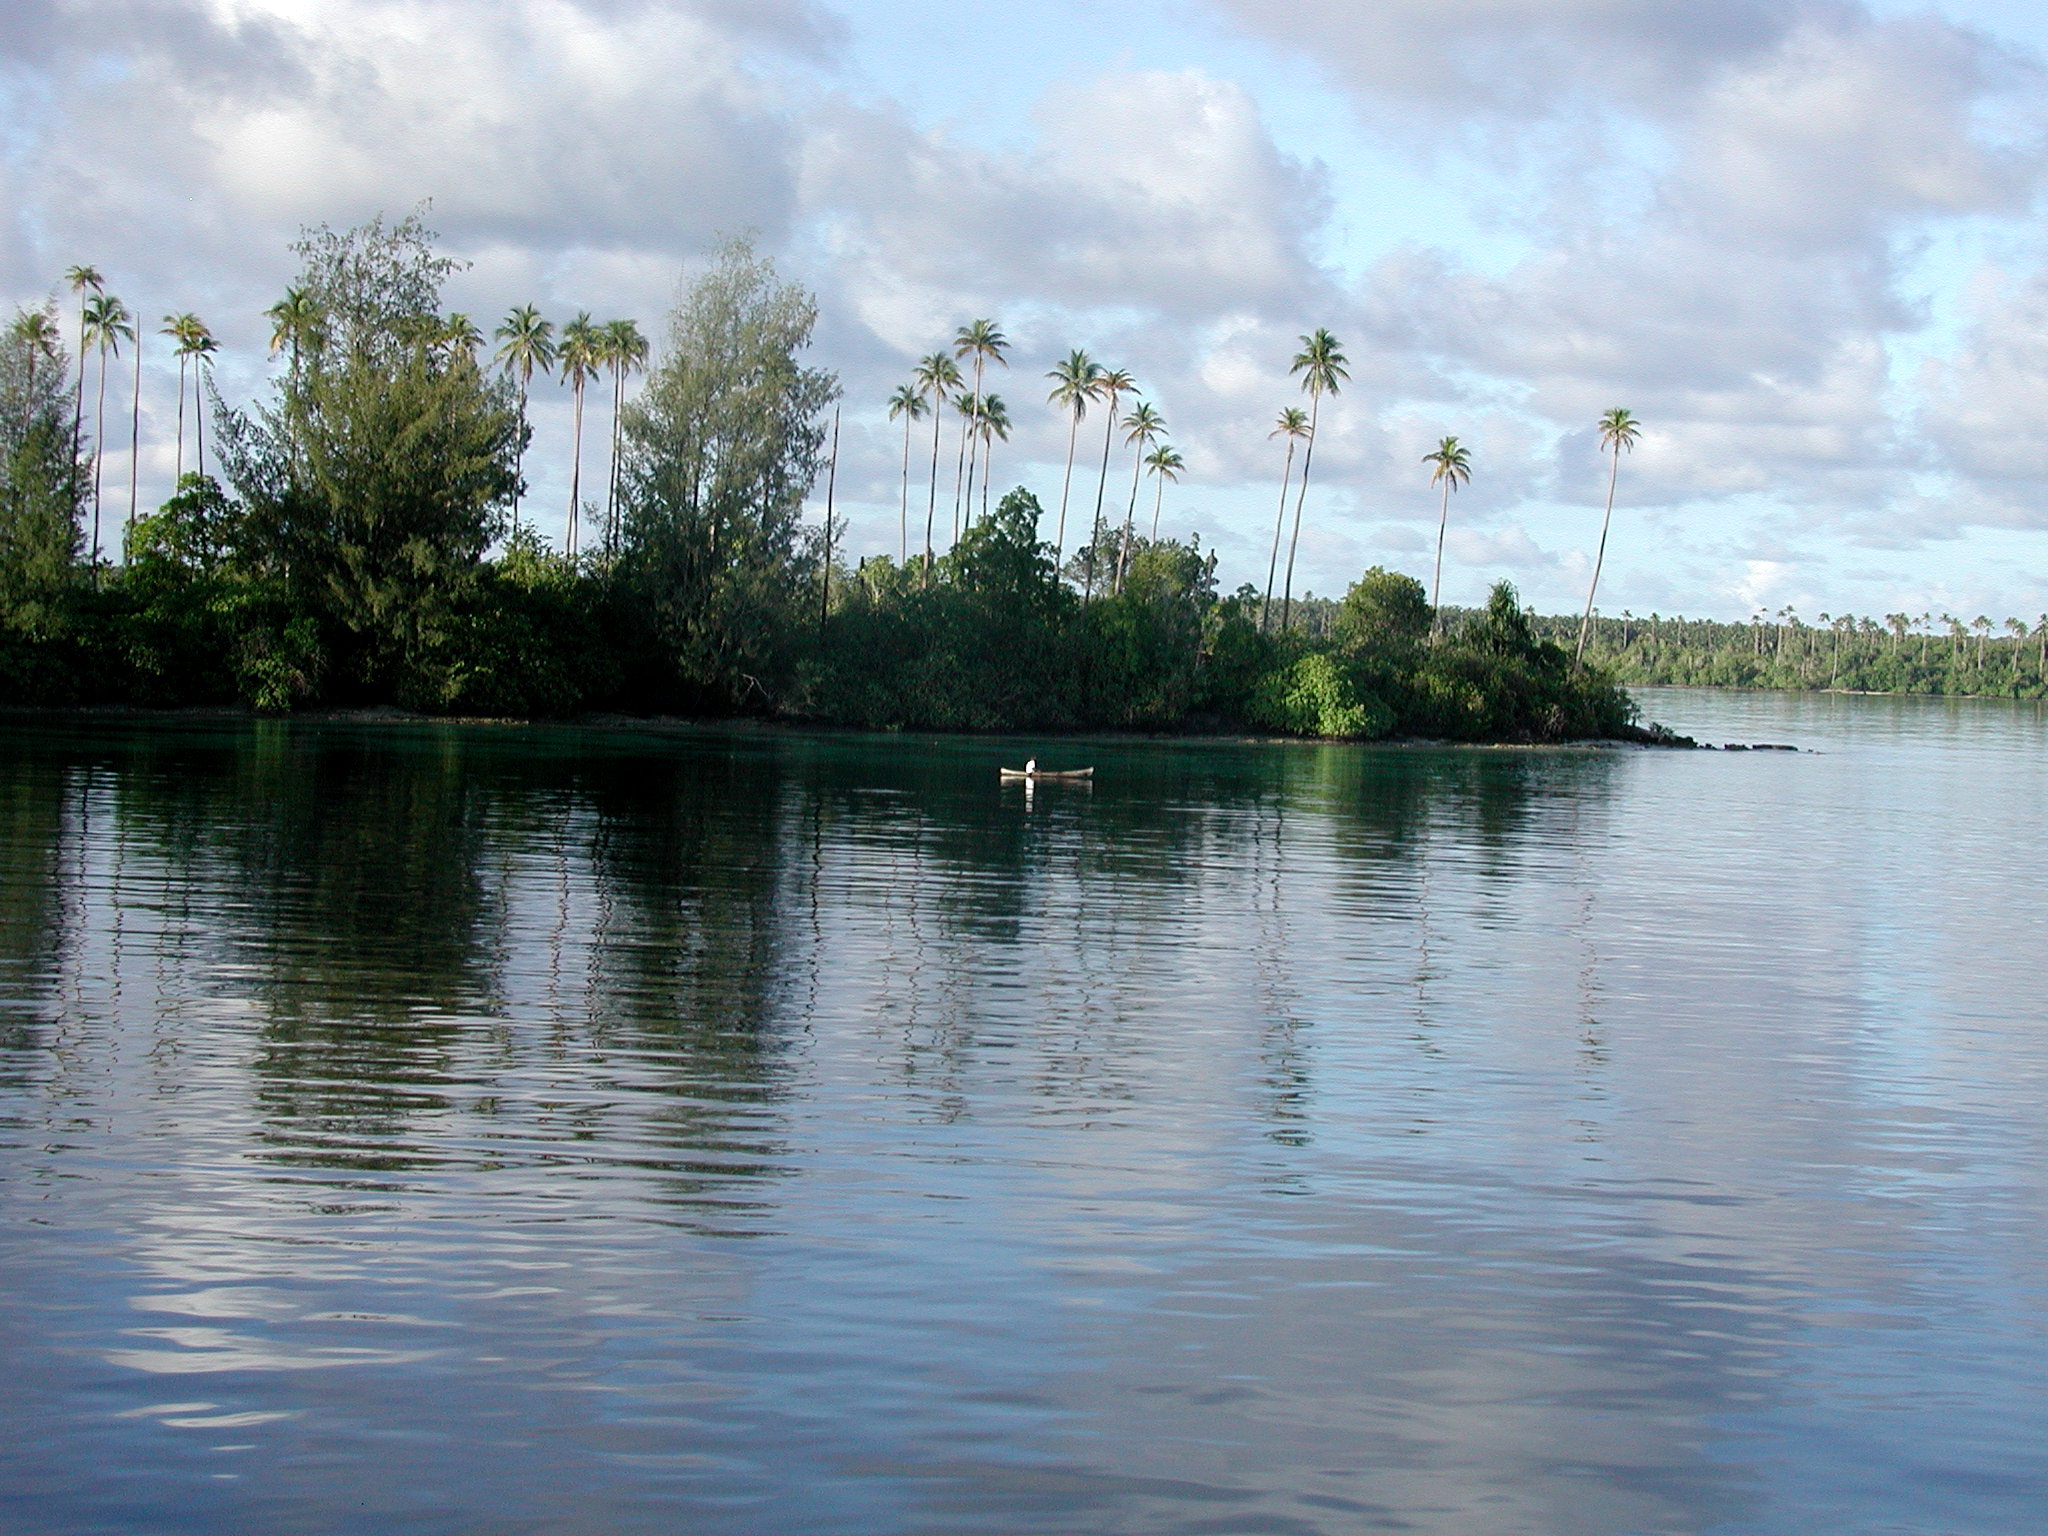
(432, 1129)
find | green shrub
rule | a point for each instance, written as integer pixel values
(1315, 697)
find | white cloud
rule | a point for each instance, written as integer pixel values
(1780, 163)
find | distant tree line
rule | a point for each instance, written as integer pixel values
(1901, 653)
(359, 545)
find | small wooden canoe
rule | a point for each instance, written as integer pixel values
(1047, 773)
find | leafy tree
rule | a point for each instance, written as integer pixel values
(1384, 609)
(721, 449)
(376, 478)
(43, 483)
(1315, 696)
(1618, 434)
(198, 531)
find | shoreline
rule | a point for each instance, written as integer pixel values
(1640, 740)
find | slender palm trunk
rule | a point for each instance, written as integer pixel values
(831, 484)
(99, 455)
(1123, 549)
(960, 472)
(135, 432)
(903, 513)
(973, 445)
(199, 414)
(1158, 501)
(1436, 585)
(576, 467)
(519, 459)
(611, 476)
(1586, 621)
(1059, 544)
(1308, 461)
(1101, 490)
(931, 506)
(1279, 523)
(988, 451)
(181, 416)
(78, 396)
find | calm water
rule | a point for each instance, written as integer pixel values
(419, 1129)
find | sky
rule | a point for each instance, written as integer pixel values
(1799, 239)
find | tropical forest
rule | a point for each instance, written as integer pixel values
(362, 538)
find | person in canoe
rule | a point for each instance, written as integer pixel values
(1031, 772)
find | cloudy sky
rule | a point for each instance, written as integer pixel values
(1798, 238)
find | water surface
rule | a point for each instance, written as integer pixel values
(414, 1128)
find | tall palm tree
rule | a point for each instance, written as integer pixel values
(83, 280)
(202, 346)
(1111, 385)
(626, 351)
(1321, 366)
(180, 328)
(1165, 463)
(937, 377)
(909, 404)
(459, 334)
(581, 360)
(968, 408)
(981, 340)
(991, 423)
(1073, 386)
(297, 326)
(37, 332)
(1450, 467)
(135, 428)
(106, 327)
(1292, 425)
(526, 343)
(1143, 427)
(1618, 434)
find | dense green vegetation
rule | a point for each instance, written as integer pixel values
(1905, 653)
(361, 545)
